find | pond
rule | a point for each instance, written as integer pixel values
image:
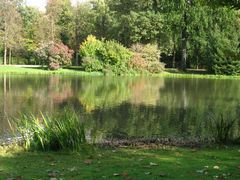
(126, 106)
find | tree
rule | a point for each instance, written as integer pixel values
(84, 18)
(10, 22)
(59, 13)
(31, 26)
(223, 42)
(140, 27)
(104, 20)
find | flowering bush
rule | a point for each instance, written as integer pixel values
(138, 63)
(54, 55)
(146, 57)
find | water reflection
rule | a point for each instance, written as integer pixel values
(125, 106)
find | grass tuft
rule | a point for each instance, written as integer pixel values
(51, 133)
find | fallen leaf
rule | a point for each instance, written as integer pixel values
(116, 174)
(147, 173)
(153, 164)
(52, 174)
(88, 161)
(53, 178)
(178, 154)
(72, 169)
(200, 171)
(216, 167)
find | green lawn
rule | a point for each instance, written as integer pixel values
(77, 71)
(32, 70)
(171, 163)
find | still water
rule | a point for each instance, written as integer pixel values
(125, 106)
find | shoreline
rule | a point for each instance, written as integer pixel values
(76, 71)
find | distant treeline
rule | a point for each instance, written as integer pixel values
(188, 33)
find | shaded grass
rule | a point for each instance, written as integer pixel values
(172, 163)
(73, 70)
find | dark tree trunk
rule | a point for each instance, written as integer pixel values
(77, 59)
(174, 52)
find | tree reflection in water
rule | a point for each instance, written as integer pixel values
(125, 106)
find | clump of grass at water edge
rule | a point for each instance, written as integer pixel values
(65, 132)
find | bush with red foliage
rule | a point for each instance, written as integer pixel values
(54, 55)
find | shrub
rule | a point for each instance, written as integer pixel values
(147, 57)
(90, 47)
(105, 56)
(90, 64)
(138, 63)
(156, 67)
(149, 52)
(54, 55)
(114, 53)
(56, 133)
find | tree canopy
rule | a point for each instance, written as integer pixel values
(189, 33)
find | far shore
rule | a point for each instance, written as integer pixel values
(76, 70)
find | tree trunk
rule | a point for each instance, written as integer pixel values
(52, 30)
(77, 60)
(184, 45)
(174, 53)
(10, 56)
(5, 96)
(5, 55)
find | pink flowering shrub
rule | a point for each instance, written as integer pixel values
(54, 55)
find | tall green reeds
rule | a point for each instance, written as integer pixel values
(223, 129)
(65, 132)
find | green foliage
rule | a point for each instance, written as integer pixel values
(90, 47)
(140, 27)
(105, 56)
(193, 34)
(51, 133)
(54, 55)
(223, 44)
(113, 53)
(91, 65)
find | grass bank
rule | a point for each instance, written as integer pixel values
(169, 163)
(73, 70)
(38, 70)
